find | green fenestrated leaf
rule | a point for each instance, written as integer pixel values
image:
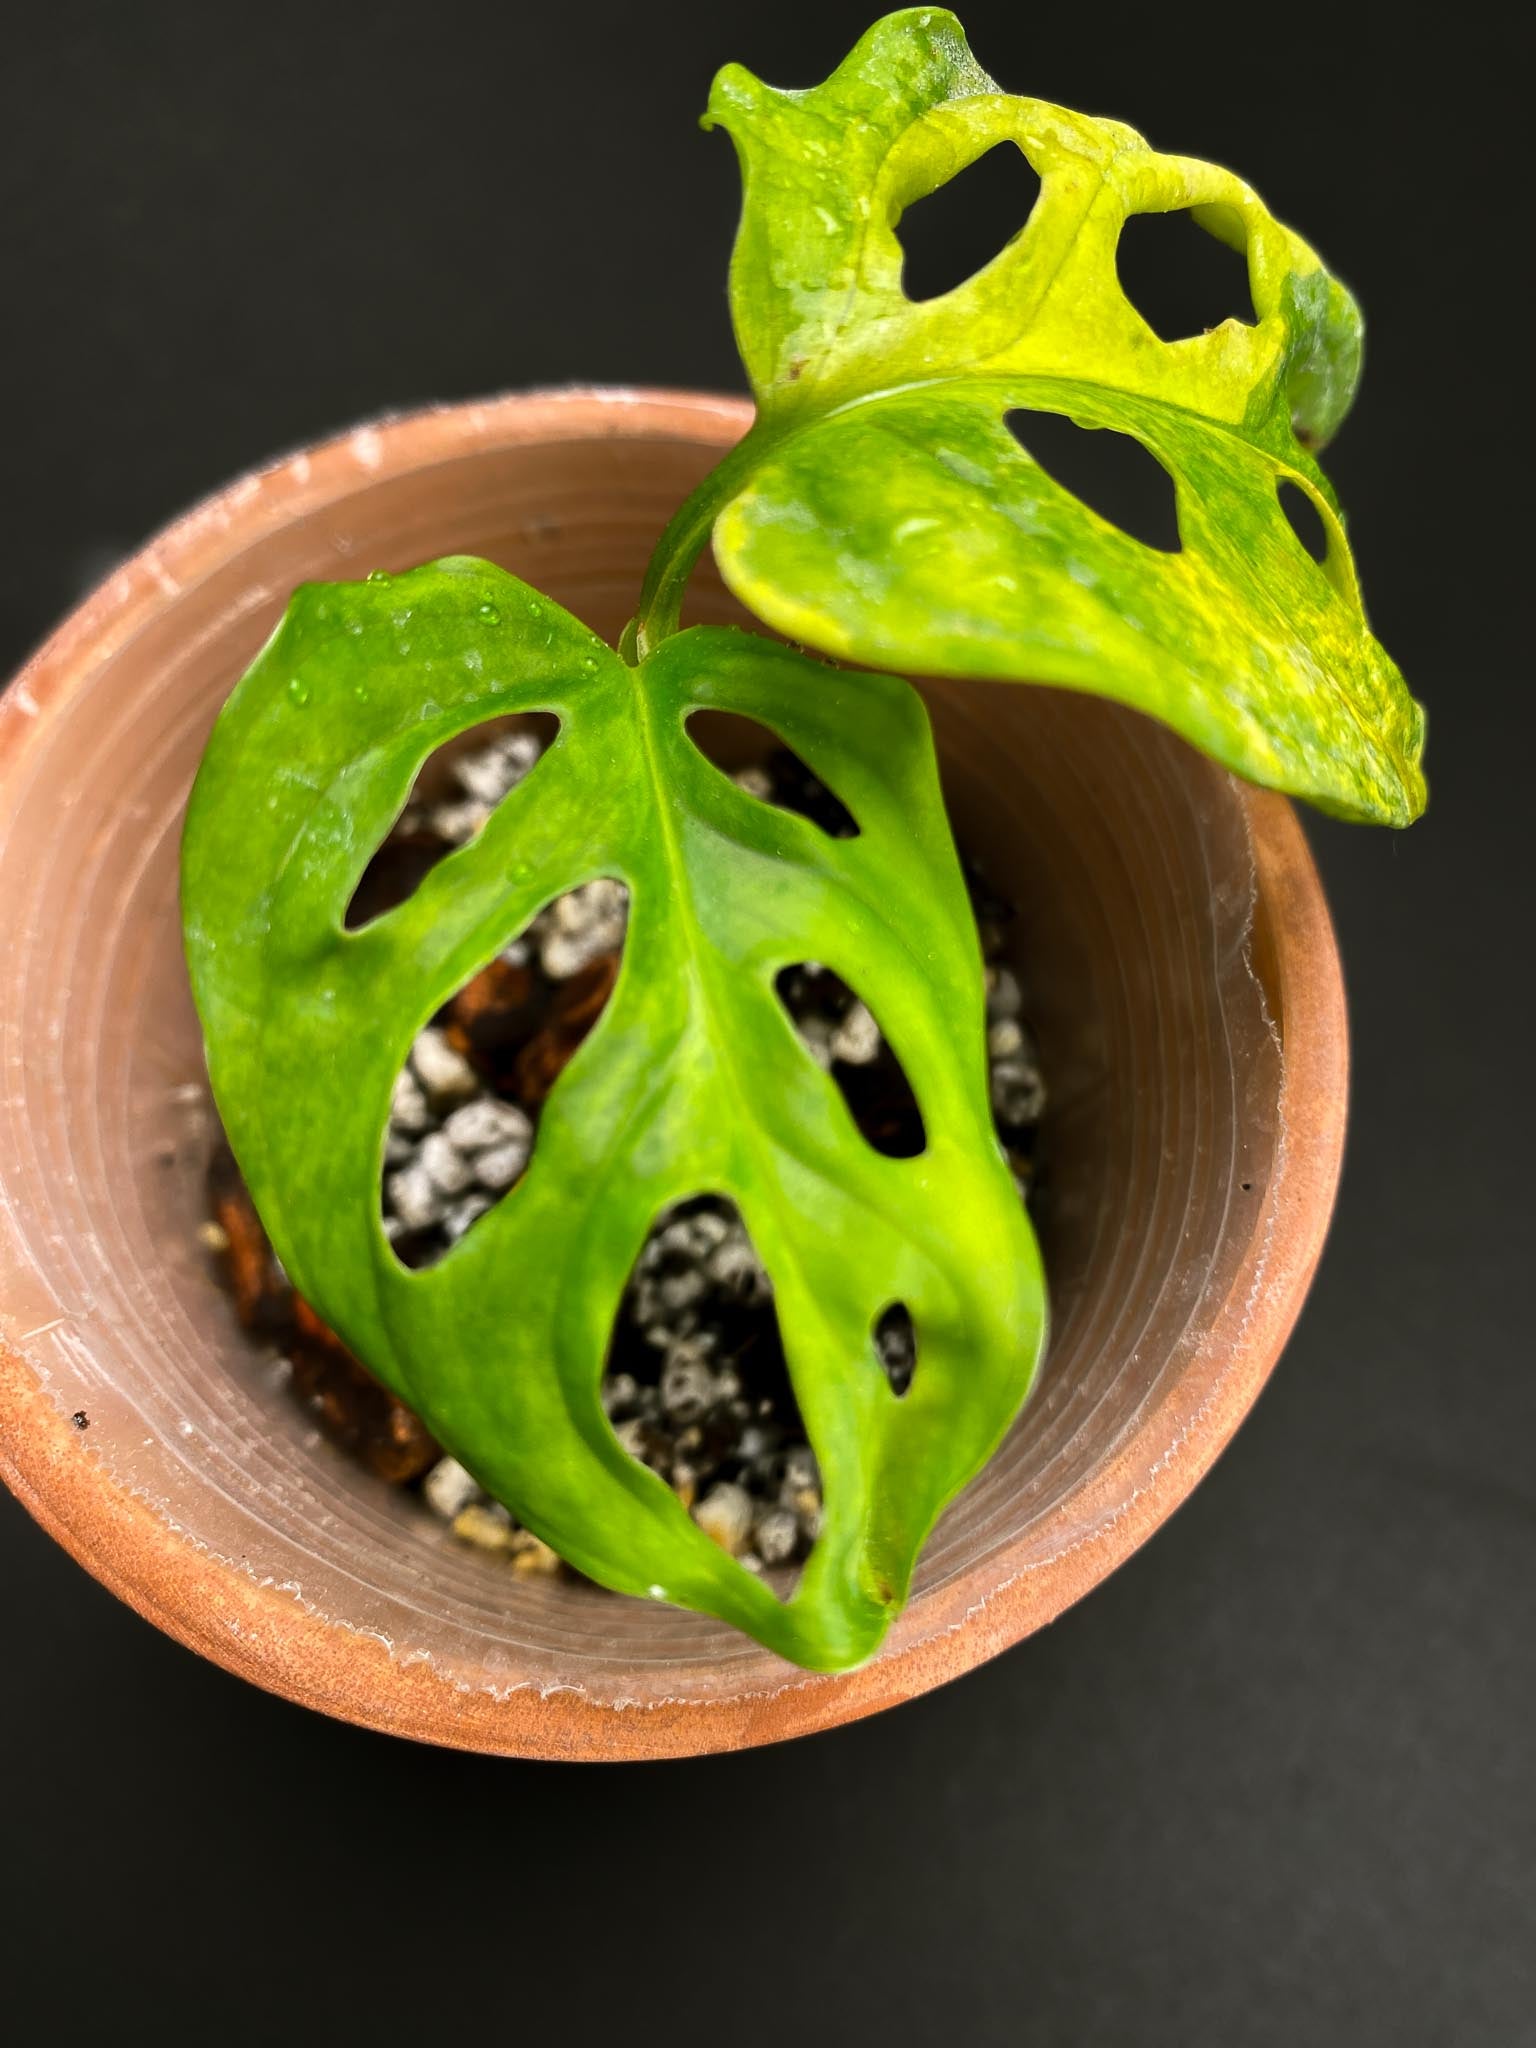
(881, 510)
(693, 1080)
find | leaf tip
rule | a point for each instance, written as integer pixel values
(734, 93)
(1388, 785)
(1323, 366)
(1412, 793)
(1406, 786)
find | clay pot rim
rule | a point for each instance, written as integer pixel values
(264, 1635)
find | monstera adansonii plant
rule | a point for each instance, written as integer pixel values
(885, 509)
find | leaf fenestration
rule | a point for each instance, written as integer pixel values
(882, 513)
(1183, 278)
(692, 1081)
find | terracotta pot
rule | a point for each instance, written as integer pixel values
(1184, 982)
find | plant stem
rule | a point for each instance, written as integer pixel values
(685, 538)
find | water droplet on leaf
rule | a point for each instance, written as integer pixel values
(298, 690)
(488, 613)
(378, 575)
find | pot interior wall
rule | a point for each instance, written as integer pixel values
(1128, 859)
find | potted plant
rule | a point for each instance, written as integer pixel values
(884, 509)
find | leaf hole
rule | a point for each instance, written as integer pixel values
(840, 1033)
(759, 762)
(1304, 519)
(456, 789)
(697, 1387)
(465, 1109)
(1181, 275)
(896, 1346)
(1109, 472)
(965, 224)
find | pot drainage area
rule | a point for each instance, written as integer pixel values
(696, 1383)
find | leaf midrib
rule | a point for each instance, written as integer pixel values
(702, 981)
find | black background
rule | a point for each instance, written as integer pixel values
(1273, 1783)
